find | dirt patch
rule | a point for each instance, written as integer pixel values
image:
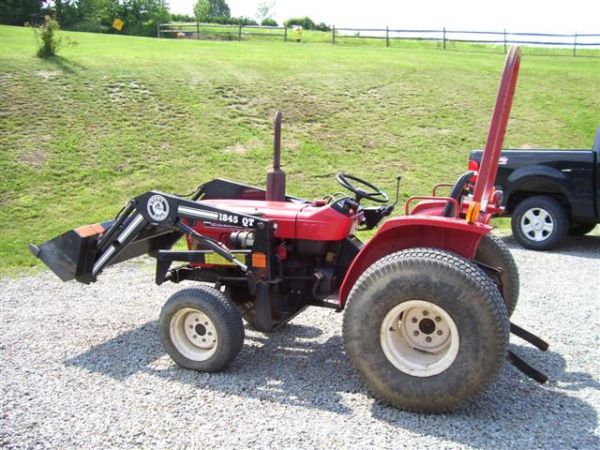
(34, 159)
(240, 149)
(48, 74)
(124, 90)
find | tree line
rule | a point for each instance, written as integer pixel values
(139, 17)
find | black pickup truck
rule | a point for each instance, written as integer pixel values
(548, 193)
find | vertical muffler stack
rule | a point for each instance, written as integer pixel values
(276, 176)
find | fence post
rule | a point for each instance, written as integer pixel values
(575, 45)
(158, 30)
(333, 34)
(505, 41)
(444, 37)
(197, 29)
(387, 36)
(285, 34)
(240, 32)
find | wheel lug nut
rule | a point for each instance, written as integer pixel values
(440, 332)
(194, 336)
(191, 327)
(416, 333)
(414, 320)
(428, 339)
(197, 320)
(438, 318)
(425, 313)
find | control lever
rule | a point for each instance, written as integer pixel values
(387, 209)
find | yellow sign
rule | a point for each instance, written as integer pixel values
(118, 24)
(216, 259)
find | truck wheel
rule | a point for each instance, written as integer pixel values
(201, 329)
(427, 330)
(493, 252)
(539, 223)
(581, 228)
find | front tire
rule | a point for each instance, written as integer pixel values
(539, 223)
(201, 329)
(427, 330)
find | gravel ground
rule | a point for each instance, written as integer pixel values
(82, 366)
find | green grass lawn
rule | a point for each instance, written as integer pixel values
(114, 116)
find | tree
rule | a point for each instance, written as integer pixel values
(17, 12)
(141, 16)
(265, 10)
(206, 10)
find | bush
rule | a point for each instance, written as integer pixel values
(322, 27)
(182, 18)
(268, 22)
(305, 22)
(48, 39)
(232, 21)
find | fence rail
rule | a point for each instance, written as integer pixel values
(197, 30)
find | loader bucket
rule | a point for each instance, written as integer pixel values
(71, 255)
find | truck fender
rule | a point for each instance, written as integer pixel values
(399, 233)
(537, 178)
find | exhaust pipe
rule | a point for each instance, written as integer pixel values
(276, 176)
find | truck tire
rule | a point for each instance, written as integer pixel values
(581, 228)
(539, 223)
(493, 252)
(427, 330)
(201, 329)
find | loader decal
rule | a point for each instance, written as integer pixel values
(158, 208)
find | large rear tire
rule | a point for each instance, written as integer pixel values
(427, 330)
(493, 252)
(201, 329)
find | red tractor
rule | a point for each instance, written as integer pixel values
(426, 300)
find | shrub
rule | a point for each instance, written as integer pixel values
(48, 38)
(182, 18)
(268, 22)
(305, 22)
(322, 27)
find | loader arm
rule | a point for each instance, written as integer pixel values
(149, 223)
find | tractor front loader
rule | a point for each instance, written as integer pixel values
(426, 300)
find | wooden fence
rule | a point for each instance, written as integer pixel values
(387, 35)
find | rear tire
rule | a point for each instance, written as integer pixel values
(420, 292)
(201, 329)
(493, 252)
(581, 228)
(539, 223)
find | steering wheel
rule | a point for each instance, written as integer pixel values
(375, 194)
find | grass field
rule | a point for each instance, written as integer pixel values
(115, 116)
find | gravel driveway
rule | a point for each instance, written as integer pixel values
(82, 366)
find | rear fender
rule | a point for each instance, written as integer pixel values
(454, 235)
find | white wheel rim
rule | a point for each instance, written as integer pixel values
(193, 334)
(537, 224)
(419, 338)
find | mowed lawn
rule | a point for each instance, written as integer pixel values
(114, 116)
